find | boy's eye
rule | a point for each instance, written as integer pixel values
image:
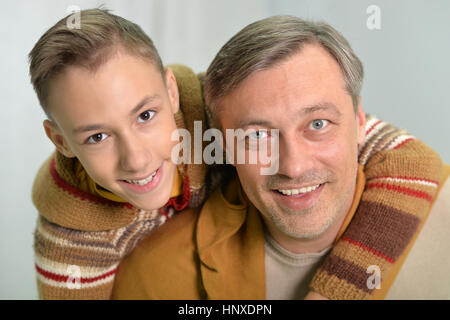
(318, 124)
(146, 115)
(96, 138)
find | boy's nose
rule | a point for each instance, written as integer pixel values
(134, 156)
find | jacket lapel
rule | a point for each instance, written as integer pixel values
(230, 244)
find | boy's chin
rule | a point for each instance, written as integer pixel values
(152, 204)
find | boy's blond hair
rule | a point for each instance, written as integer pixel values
(99, 36)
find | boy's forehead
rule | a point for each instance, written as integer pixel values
(122, 80)
(115, 66)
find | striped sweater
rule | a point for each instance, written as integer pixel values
(80, 239)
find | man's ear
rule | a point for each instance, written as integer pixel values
(361, 123)
(172, 89)
(57, 138)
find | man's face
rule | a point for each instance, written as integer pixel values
(118, 122)
(305, 98)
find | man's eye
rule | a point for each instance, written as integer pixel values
(318, 124)
(146, 115)
(96, 138)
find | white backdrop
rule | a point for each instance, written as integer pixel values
(406, 64)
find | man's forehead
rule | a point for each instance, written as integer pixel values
(310, 66)
(307, 82)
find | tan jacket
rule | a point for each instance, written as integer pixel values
(216, 254)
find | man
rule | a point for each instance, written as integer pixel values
(266, 236)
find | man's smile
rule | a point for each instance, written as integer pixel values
(294, 191)
(299, 199)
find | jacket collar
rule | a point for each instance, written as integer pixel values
(221, 216)
(229, 237)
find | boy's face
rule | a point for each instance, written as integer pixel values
(118, 122)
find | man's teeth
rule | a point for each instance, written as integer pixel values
(143, 181)
(290, 192)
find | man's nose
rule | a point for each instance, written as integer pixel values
(135, 156)
(296, 157)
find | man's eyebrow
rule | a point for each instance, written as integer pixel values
(99, 126)
(324, 106)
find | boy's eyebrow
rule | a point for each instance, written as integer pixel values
(93, 127)
(248, 123)
(143, 102)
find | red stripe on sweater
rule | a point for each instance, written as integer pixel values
(404, 190)
(61, 278)
(373, 126)
(80, 193)
(401, 144)
(377, 253)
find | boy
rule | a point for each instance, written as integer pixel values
(111, 111)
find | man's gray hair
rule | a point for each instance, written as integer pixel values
(268, 42)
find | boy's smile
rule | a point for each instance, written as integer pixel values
(118, 120)
(145, 184)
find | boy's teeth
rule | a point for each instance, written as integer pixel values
(288, 192)
(143, 181)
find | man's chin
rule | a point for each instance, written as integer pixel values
(307, 234)
(306, 229)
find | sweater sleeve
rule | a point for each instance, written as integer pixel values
(75, 264)
(402, 176)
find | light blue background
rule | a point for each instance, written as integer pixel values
(406, 82)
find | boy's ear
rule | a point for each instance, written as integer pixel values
(172, 89)
(57, 138)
